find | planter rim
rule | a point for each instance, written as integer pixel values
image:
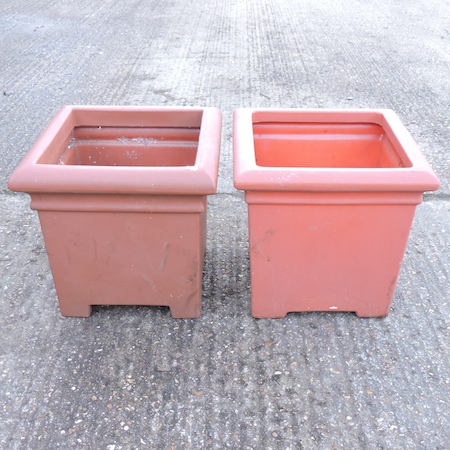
(32, 176)
(418, 177)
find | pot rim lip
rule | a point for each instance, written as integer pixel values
(417, 176)
(34, 176)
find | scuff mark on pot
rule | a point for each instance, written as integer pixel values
(162, 264)
(256, 247)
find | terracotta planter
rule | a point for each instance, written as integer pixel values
(121, 195)
(331, 198)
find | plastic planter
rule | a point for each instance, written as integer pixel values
(331, 198)
(121, 195)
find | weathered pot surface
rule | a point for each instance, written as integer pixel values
(121, 195)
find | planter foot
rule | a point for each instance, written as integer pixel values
(75, 310)
(185, 313)
(190, 309)
(268, 312)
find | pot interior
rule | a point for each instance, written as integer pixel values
(130, 146)
(327, 145)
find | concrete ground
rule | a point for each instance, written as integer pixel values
(133, 377)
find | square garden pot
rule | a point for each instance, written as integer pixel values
(331, 198)
(121, 195)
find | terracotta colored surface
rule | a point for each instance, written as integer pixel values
(121, 195)
(353, 145)
(331, 198)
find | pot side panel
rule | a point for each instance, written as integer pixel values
(108, 258)
(326, 257)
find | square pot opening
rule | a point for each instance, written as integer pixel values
(325, 145)
(126, 150)
(129, 146)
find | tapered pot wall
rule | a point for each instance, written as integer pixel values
(121, 195)
(330, 207)
(111, 256)
(332, 257)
